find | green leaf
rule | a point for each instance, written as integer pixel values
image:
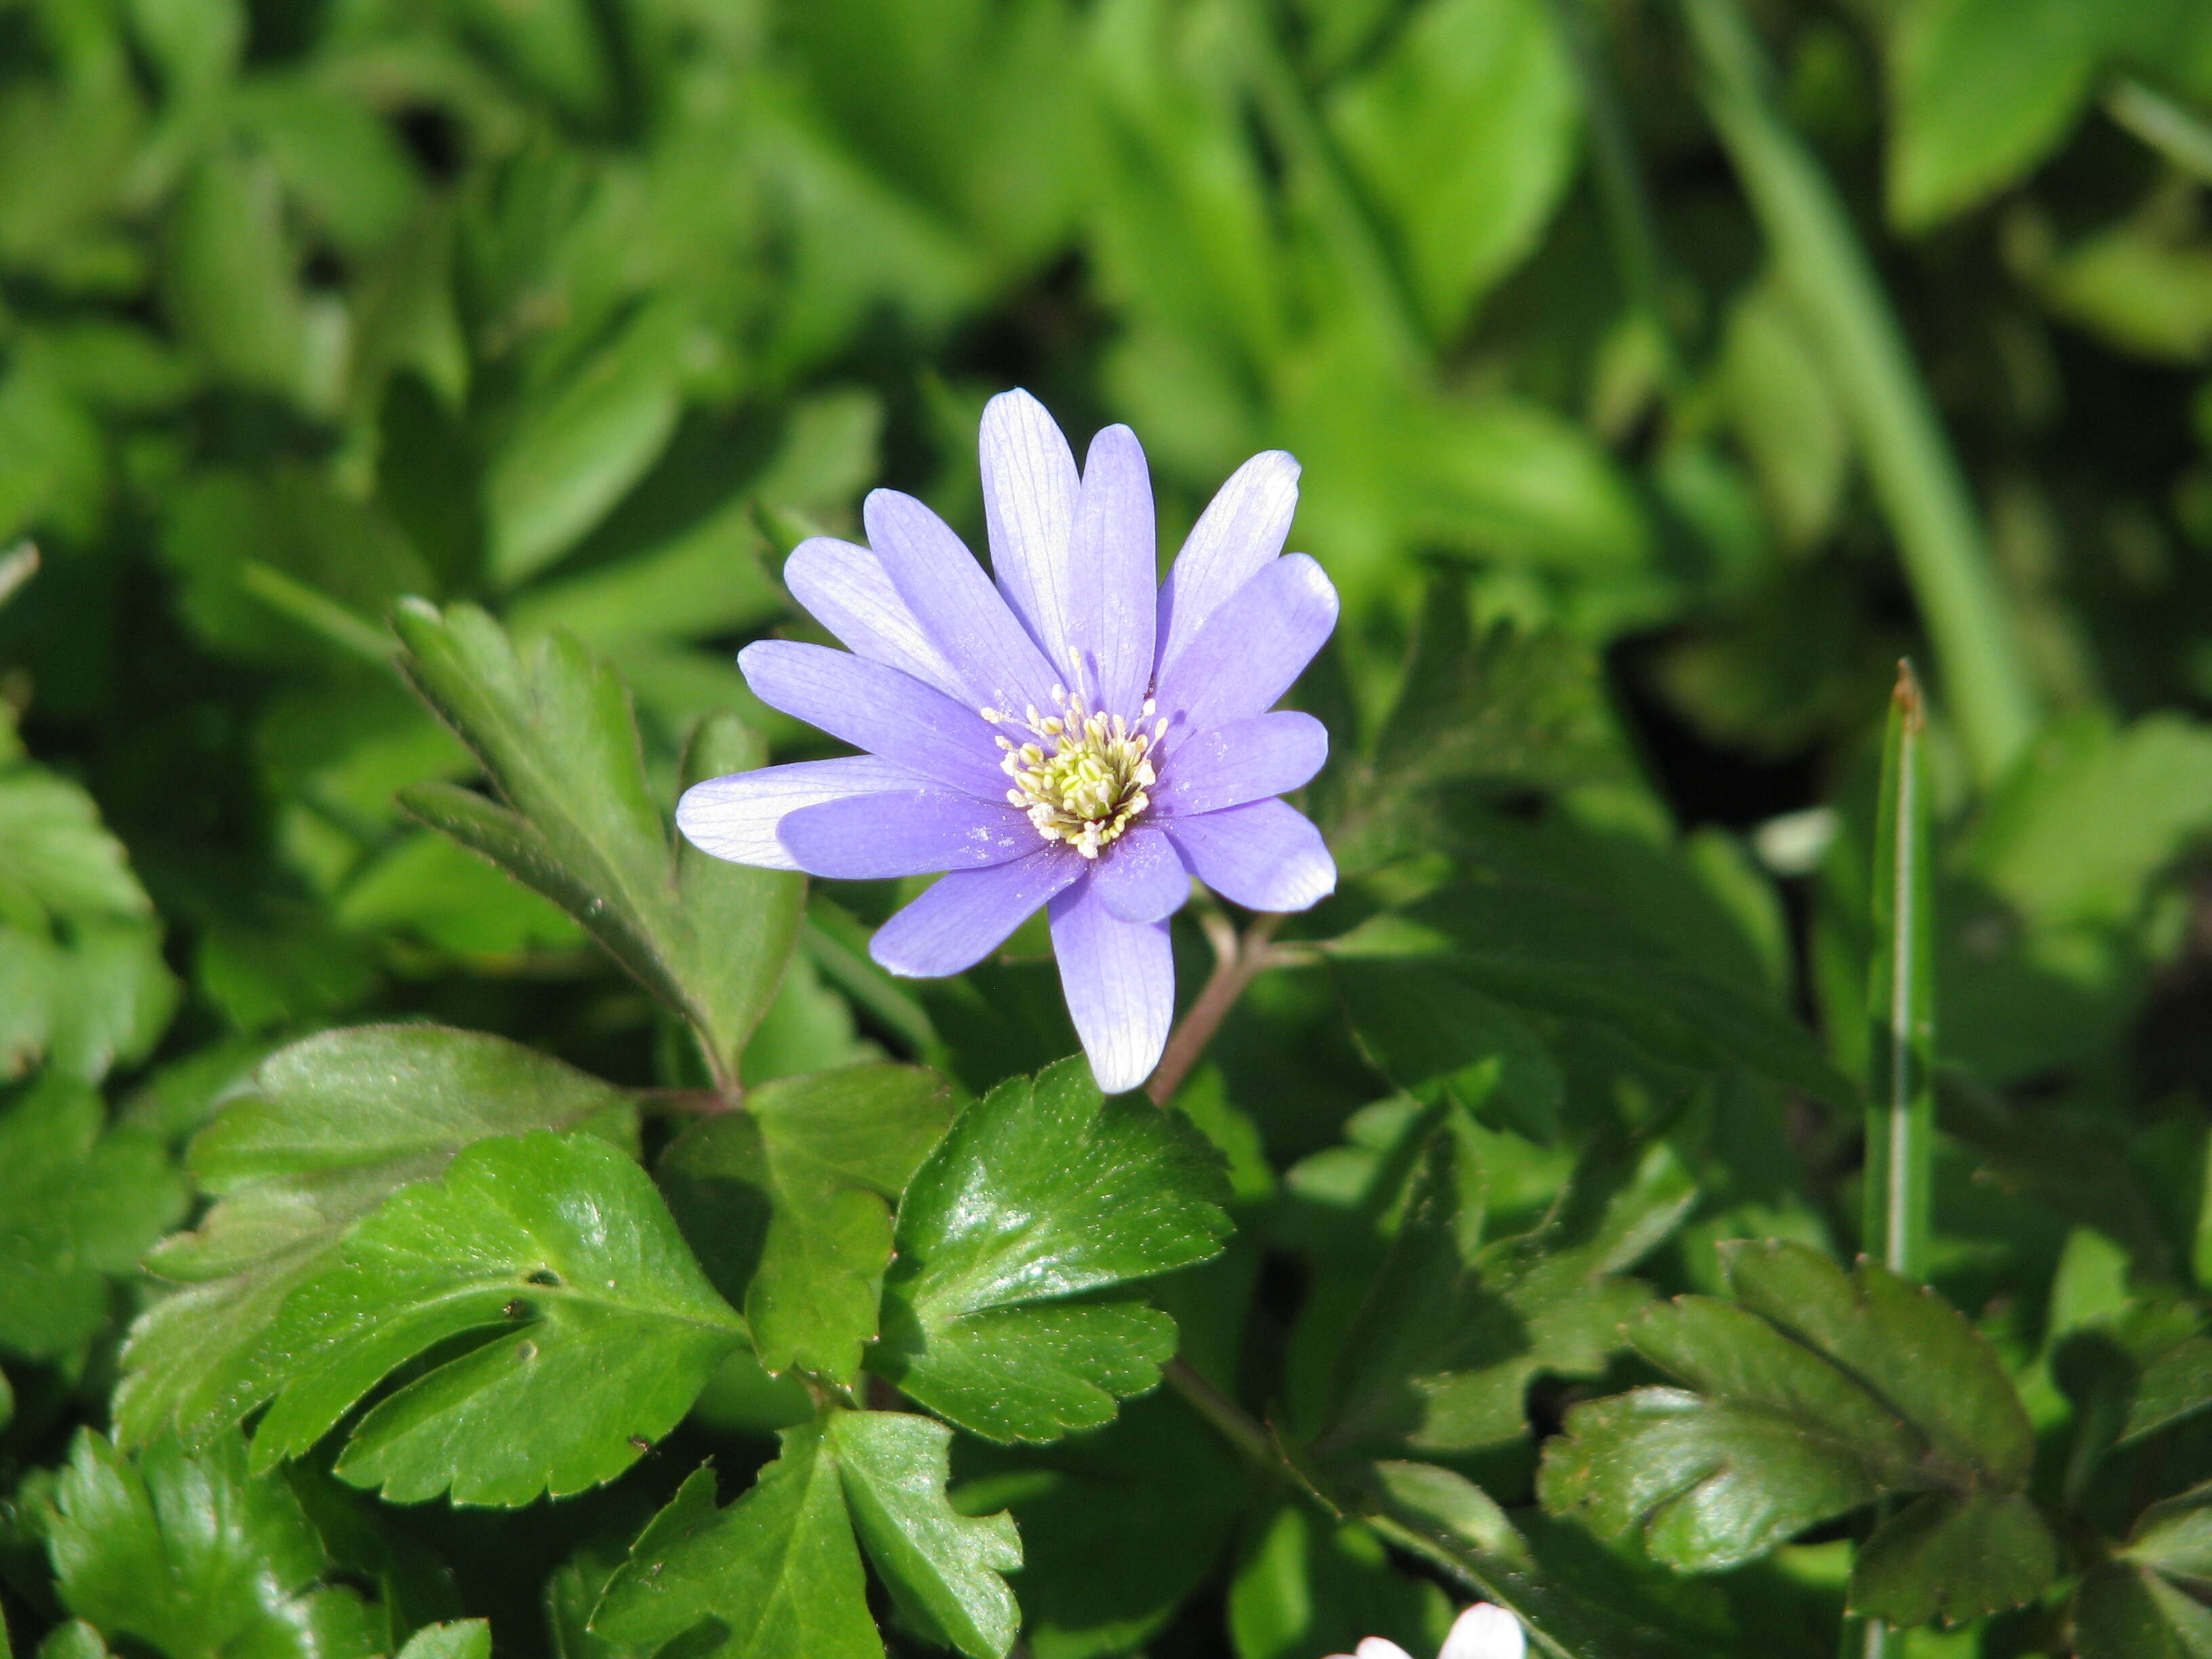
(789, 1204)
(553, 729)
(1307, 1586)
(78, 1208)
(1437, 1037)
(1951, 1558)
(1505, 711)
(943, 1567)
(188, 1553)
(1041, 1193)
(581, 444)
(1816, 1392)
(1783, 410)
(74, 1640)
(1441, 1516)
(375, 1095)
(1981, 90)
(1120, 1526)
(229, 279)
(325, 1130)
(82, 983)
(1463, 129)
(774, 1575)
(279, 567)
(606, 1328)
(1533, 944)
(2126, 1612)
(463, 1638)
(1452, 1331)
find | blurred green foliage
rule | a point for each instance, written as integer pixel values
(574, 314)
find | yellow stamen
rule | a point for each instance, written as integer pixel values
(1082, 777)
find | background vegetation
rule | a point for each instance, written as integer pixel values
(1665, 370)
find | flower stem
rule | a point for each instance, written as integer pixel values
(1228, 1419)
(1236, 960)
(1909, 459)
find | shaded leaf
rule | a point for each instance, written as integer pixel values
(1437, 1037)
(1816, 1393)
(1535, 946)
(1951, 1558)
(82, 986)
(1444, 1517)
(2125, 1612)
(78, 1206)
(1453, 1331)
(1503, 711)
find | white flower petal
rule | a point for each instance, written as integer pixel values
(1485, 1632)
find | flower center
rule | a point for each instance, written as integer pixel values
(1081, 776)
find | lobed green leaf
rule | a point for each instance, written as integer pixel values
(1039, 1193)
(789, 1204)
(607, 1329)
(1815, 1392)
(553, 729)
(326, 1129)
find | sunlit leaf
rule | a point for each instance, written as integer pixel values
(188, 1553)
(604, 1328)
(325, 1130)
(789, 1204)
(1004, 1309)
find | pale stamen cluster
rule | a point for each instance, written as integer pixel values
(1082, 775)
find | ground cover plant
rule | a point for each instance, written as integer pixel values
(1653, 558)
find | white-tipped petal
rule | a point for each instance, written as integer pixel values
(1485, 1632)
(1030, 489)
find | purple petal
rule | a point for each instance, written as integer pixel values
(1119, 980)
(1244, 760)
(1263, 856)
(992, 654)
(1116, 572)
(847, 590)
(1139, 878)
(912, 833)
(735, 817)
(1241, 531)
(1250, 650)
(968, 914)
(878, 709)
(1029, 506)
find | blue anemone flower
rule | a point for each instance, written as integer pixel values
(1076, 735)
